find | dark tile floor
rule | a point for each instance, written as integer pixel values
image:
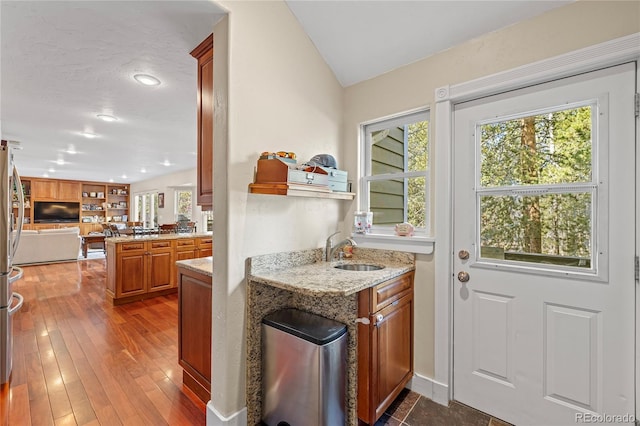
(412, 409)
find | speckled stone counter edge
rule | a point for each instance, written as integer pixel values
(202, 265)
(263, 299)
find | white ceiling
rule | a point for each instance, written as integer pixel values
(64, 62)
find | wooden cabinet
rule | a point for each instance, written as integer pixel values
(385, 346)
(93, 203)
(146, 268)
(186, 249)
(117, 203)
(55, 190)
(204, 54)
(204, 247)
(194, 331)
(91, 195)
(139, 269)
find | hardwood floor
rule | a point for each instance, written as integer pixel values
(80, 361)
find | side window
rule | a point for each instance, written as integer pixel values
(395, 183)
(184, 204)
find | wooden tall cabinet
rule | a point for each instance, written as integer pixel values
(204, 54)
(385, 346)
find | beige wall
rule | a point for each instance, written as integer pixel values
(569, 28)
(274, 93)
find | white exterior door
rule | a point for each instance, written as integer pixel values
(544, 298)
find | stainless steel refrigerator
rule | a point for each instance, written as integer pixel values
(10, 230)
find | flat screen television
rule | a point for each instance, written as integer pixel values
(56, 212)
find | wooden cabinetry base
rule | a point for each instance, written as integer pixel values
(129, 299)
(196, 387)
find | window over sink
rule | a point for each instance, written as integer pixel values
(394, 184)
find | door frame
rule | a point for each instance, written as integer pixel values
(609, 53)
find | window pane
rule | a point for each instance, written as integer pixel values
(387, 201)
(543, 149)
(184, 205)
(551, 228)
(418, 143)
(388, 148)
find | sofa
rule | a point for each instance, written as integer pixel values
(48, 245)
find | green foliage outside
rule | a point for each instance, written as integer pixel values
(184, 204)
(418, 139)
(546, 149)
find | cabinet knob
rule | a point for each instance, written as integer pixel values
(379, 319)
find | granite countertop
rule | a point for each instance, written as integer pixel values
(202, 265)
(149, 237)
(321, 278)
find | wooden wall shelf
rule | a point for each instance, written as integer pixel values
(298, 191)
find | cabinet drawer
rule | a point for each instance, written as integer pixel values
(205, 242)
(132, 246)
(389, 291)
(160, 244)
(186, 242)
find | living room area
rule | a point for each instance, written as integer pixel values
(67, 220)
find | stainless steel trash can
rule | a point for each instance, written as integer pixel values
(304, 368)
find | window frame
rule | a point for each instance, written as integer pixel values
(384, 237)
(136, 212)
(597, 187)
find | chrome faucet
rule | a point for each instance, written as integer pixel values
(330, 249)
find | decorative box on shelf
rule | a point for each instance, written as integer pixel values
(278, 171)
(277, 177)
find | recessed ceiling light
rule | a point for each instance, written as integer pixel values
(143, 170)
(45, 175)
(106, 117)
(124, 176)
(89, 135)
(52, 170)
(71, 150)
(60, 162)
(146, 79)
(111, 180)
(166, 163)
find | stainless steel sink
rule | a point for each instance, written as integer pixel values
(358, 267)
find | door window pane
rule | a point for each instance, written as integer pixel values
(542, 149)
(551, 228)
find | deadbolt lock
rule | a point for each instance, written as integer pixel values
(463, 254)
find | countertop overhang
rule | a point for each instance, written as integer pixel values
(202, 265)
(155, 237)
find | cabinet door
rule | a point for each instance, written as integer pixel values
(393, 344)
(204, 54)
(161, 262)
(69, 191)
(44, 189)
(131, 273)
(194, 328)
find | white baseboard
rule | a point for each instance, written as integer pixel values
(214, 418)
(438, 392)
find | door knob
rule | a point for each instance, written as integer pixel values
(463, 254)
(463, 277)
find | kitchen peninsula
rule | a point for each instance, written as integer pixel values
(384, 297)
(143, 266)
